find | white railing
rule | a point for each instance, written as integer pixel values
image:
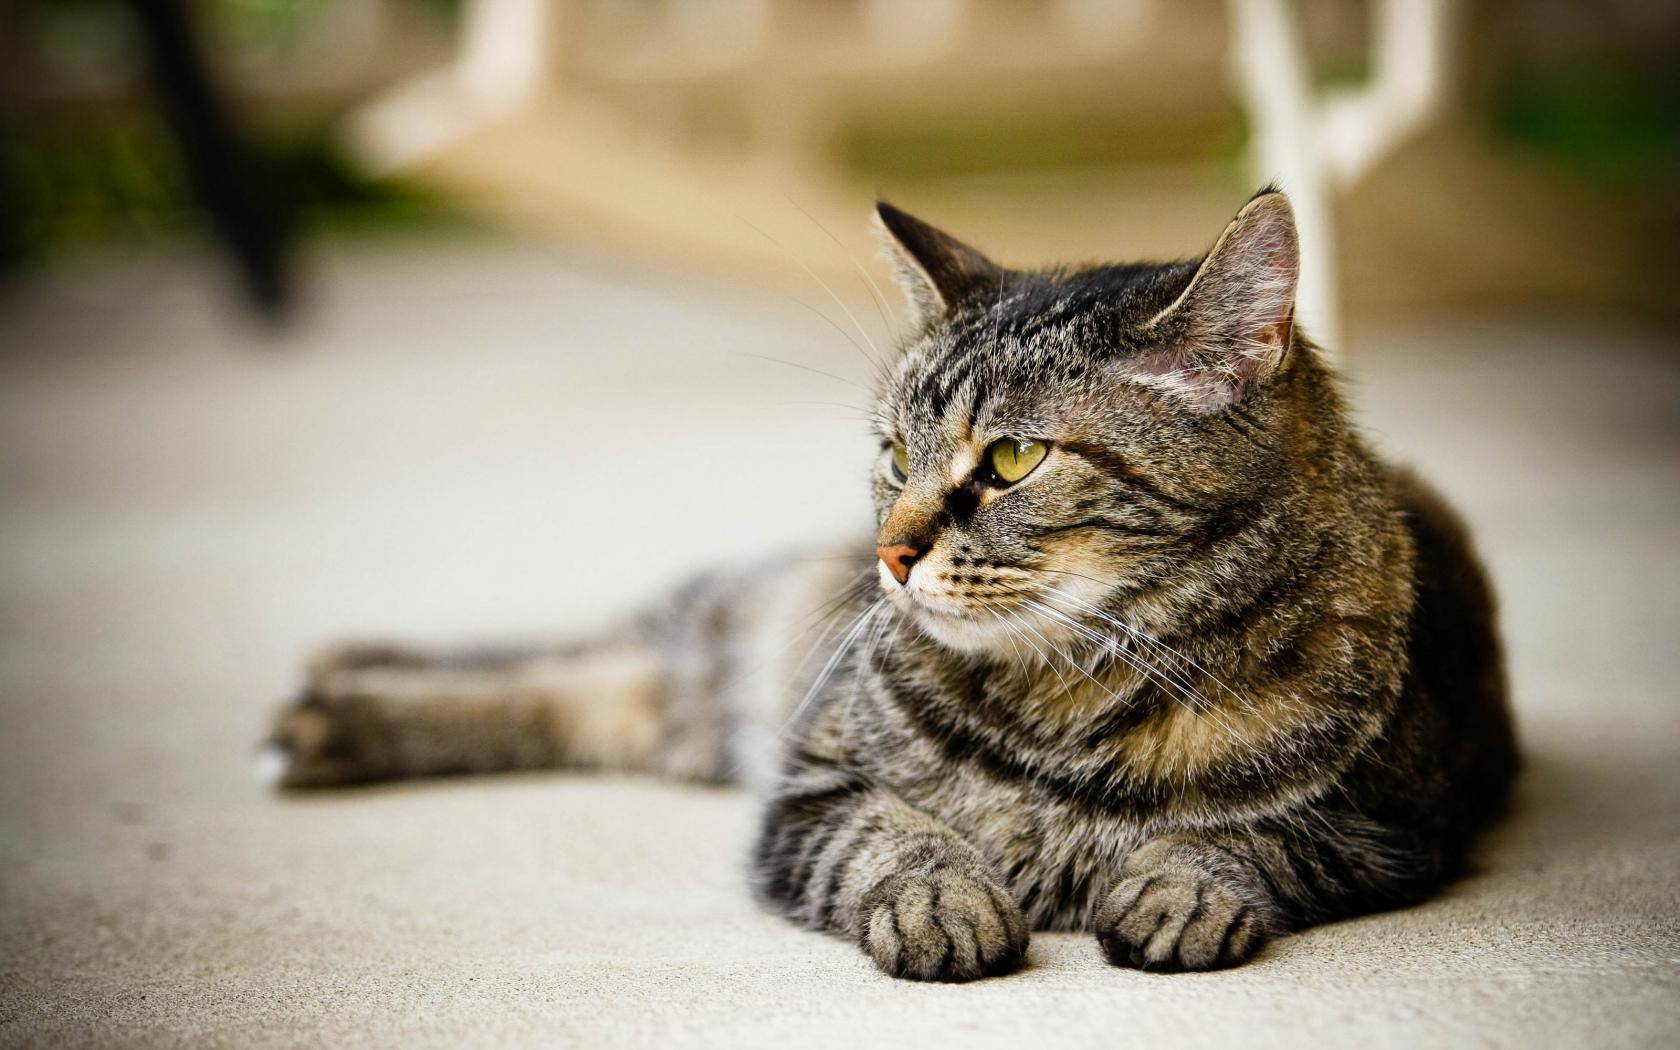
(1313, 146)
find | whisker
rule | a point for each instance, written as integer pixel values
(1189, 698)
(1144, 636)
(1192, 700)
(861, 413)
(1071, 662)
(858, 626)
(1136, 660)
(1179, 677)
(874, 289)
(1155, 744)
(857, 680)
(821, 616)
(877, 359)
(869, 654)
(997, 309)
(875, 366)
(835, 606)
(1049, 663)
(1010, 633)
(1135, 632)
(808, 368)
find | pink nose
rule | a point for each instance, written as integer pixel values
(898, 557)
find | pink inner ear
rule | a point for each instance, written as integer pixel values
(1280, 332)
(1266, 266)
(1233, 325)
(1213, 366)
(1202, 384)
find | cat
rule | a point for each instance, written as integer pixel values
(1149, 643)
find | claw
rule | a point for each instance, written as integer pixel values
(271, 765)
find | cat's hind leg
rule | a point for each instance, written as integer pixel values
(378, 712)
(695, 688)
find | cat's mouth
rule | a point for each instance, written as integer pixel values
(949, 614)
(963, 622)
(959, 628)
(922, 605)
(1007, 609)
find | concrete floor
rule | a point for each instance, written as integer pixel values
(439, 448)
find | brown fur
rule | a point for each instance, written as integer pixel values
(1210, 672)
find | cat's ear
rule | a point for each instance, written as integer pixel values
(1231, 327)
(937, 271)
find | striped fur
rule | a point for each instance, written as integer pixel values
(1210, 673)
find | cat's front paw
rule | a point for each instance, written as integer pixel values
(943, 925)
(320, 742)
(1179, 918)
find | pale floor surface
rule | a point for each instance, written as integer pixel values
(473, 441)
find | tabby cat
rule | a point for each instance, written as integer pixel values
(1149, 643)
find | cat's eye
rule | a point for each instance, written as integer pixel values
(1012, 459)
(900, 463)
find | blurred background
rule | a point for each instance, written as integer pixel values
(472, 318)
(1472, 153)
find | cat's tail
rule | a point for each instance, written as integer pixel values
(697, 689)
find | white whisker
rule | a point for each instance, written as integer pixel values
(1010, 633)
(878, 360)
(1071, 662)
(1192, 700)
(1144, 636)
(1049, 663)
(1178, 677)
(874, 289)
(858, 626)
(868, 660)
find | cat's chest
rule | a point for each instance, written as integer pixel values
(1053, 855)
(1029, 810)
(976, 743)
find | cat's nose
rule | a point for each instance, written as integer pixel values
(898, 556)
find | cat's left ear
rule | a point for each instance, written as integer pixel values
(1231, 327)
(937, 272)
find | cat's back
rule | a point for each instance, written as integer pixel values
(1455, 731)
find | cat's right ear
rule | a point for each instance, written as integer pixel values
(937, 271)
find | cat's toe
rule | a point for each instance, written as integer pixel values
(317, 743)
(1175, 921)
(944, 925)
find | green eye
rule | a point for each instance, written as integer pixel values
(901, 462)
(1013, 458)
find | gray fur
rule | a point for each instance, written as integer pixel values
(1209, 673)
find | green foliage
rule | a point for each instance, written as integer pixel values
(119, 177)
(1610, 124)
(77, 174)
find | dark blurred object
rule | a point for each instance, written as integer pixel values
(104, 141)
(240, 196)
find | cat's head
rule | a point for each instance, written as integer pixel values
(1054, 442)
